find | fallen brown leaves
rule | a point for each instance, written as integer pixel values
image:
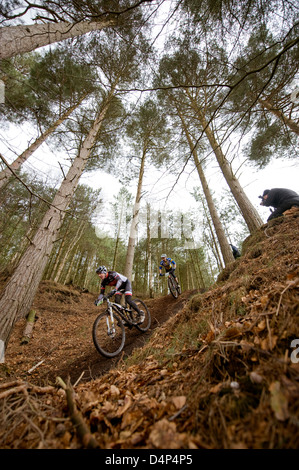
(221, 373)
(134, 410)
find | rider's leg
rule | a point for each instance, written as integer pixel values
(140, 313)
(128, 296)
(174, 276)
(131, 303)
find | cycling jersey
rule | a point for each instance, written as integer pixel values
(167, 264)
(118, 280)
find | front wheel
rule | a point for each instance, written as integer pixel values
(108, 334)
(146, 323)
(173, 287)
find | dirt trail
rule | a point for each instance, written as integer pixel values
(219, 374)
(62, 335)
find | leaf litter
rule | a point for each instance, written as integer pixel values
(217, 370)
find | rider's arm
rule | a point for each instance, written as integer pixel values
(160, 268)
(102, 292)
(101, 295)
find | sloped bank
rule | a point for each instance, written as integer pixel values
(221, 373)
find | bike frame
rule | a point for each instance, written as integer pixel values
(117, 317)
(123, 312)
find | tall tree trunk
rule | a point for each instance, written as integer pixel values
(224, 245)
(55, 258)
(74, 241)
(214, 246)
(251, 216)
(117, 237)
(25, 38)
(68, 277)
(18, 294)
(7, 173)
(194, 266)
(134, 223)
(149, 252)
(287, 121)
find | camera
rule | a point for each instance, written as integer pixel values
(262, 200)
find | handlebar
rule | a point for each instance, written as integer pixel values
(166, 274)
(106, 298)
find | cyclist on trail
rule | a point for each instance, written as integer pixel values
(169, 265)
(112, 278)
(281, 199)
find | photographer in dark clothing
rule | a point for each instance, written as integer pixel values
(281, 199)
(235, 251)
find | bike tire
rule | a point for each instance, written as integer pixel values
(145, 325)
(172, 287)
(107, 345)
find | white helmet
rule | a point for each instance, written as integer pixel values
(101, 269)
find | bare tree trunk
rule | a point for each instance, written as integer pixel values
(6, 173)
(117, 237)
(72, 244)
(251, 216)
(25, 38)
(89, 272)
(67, 277)
(287, 121)
(194, 265)
(224, 245)
(18, 294)
(53, 264)
(133, 231)
(214, 246)
(149, 252)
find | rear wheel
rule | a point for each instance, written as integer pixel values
(108, 334)
(146, 323)
(173, 287)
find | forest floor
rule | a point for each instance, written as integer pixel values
(217, 370)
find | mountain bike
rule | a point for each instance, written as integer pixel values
(108, 331)
(173, 286)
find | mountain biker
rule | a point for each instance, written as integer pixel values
(113, 278)
(166, 264)
(281, 199)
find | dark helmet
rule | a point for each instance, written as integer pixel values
(101, 269)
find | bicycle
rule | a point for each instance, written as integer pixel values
(173, 285)
(108, 331)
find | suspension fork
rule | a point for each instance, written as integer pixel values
(110, 320)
